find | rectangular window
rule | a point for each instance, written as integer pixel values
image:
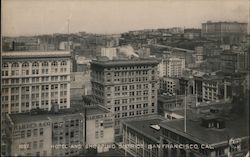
(131, 113)
(22, 134)
(35, 144)
(131, 107)
(124, 108)
(41, 131)
(28, 133)
(101, 133)
(117, 102)
(35, 132)
(96, 134)
(41, 144)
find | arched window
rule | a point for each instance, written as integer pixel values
(35, 64)
(25, 64)
(45, 64)
(54, 63)
(63, 63)
(15, 65)
(5, 65)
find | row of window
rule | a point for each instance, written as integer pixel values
(133, 93)
(132, 113)
(34, 88)
(34, 133)
(130, 67)
(129, 73)
(99, 134)
(35, 64)
(124, 80)
(123, 108)
(33, 72)
(130, 87)
(130, 100)
(70, 123)
(34, 103)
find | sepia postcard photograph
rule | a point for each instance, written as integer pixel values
(125, 78)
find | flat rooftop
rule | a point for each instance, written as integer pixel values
(23, 118)
(143, 126)
(45, 115)
(167, 98)
(111, 63)
(37, 54)
(236, 127)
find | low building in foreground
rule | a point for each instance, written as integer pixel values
(140, 135)
(64, 132)
(210, 136)
(210, 131)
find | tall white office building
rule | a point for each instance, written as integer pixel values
(35, 80)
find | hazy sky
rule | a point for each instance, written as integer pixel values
(31, 17)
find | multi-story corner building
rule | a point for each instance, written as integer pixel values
(126, 87)
(225, 32)
(64, 132)
(206, 87)
(68, 131)
(169, 85)
(35, 80)
(99, 128)
(214, 88)
(171, 67)
(174, 67)
(28, 136)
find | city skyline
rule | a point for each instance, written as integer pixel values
(29, 17)
(173, 83)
